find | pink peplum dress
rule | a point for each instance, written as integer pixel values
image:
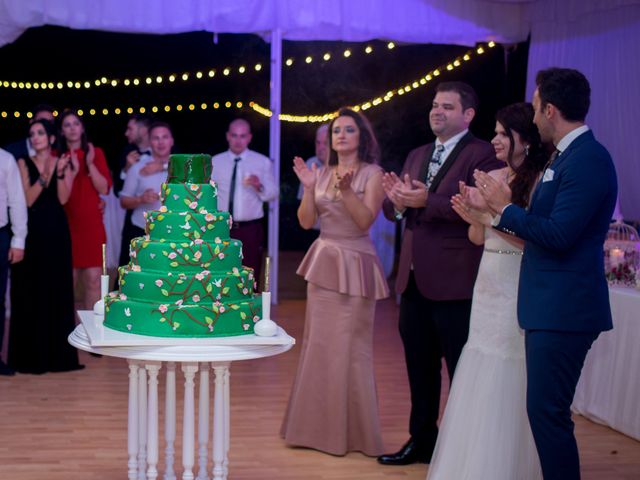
(333, 404)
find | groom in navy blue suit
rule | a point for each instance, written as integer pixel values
(563, 300)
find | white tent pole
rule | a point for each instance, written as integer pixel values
(275, 90)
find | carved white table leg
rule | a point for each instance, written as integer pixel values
(132, 421)
(142, 423)
(227, 420)
(152, 420)
(219, 422)
(188, 457)
(170, 421)
(203, 421)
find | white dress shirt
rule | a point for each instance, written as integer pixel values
(570, 137)
(12, 196)
(135, 184)
(247, 201)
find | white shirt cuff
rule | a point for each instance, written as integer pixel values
(17, 242)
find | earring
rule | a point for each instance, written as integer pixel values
(526, 150)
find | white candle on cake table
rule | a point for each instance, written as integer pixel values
(98, 307)
(266, 327)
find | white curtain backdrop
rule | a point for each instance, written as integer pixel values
(599, 38)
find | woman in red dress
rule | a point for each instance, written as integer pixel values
(91, 175)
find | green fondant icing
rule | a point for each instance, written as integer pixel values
(188, 256)
(189, 197)
(187, 226)
(183, 320)
(185, 277)
(189, 168)
(192, 288)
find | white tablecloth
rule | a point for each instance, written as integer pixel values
(609, 389)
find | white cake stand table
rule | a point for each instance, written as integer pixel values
(146, 356)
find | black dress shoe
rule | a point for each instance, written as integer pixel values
(5, 369)
(411, 452)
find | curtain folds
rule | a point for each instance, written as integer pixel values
(599, 42)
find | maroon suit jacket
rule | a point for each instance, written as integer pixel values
(435, 240)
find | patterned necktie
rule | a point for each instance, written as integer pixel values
(434, 165)
(232, 188)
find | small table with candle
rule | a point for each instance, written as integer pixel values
(146, 356)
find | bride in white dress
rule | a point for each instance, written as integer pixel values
(484, 433)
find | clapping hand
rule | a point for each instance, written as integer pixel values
(470, 205)
(344, 182)
(306, 176)
(391, 185)
(497, 194)
(414, 194)
(67, 161)
(405, 192)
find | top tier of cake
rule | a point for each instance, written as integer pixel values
(190, 168)
(189, 187)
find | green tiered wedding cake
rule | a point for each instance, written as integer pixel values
(185, 277)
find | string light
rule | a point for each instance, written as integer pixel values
(366, 105)
(186, 76)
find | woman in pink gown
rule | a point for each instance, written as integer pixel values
(333, 405)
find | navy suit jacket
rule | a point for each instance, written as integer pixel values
(562, 283)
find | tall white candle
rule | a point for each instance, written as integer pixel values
(266, 305)
(104, 285)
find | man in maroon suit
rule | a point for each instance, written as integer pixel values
(438, 264)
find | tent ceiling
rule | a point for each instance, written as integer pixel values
(461, 22)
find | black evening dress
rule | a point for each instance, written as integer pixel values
(42, 302)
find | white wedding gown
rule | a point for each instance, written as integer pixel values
(484, 433)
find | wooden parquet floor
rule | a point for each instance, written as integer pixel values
(73, 425)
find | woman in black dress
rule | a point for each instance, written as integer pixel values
(42, 309)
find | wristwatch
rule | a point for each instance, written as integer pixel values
(42, 181)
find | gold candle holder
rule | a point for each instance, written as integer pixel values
(104, 259)
(267, 264)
